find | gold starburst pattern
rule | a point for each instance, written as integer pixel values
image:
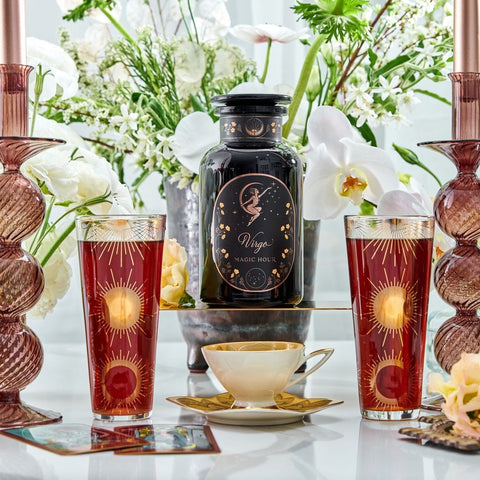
(121, 378)
(119, 308)
(384, 378)
(393, 307)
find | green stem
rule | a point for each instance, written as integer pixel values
(41, 232)
(302, 83)
(185, 21)
(338, 10)
(59, 241)
(267, 61)
(118, 25)
(193, 21)
(46, 229)
(304, 136)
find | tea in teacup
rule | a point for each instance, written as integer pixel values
(254, 372)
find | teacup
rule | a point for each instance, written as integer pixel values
(254, 372)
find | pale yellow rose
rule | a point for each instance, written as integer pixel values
(462, 394)
(174, 273)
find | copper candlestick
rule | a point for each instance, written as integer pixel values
(22, 210)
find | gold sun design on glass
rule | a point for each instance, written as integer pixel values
(393, 307)
(120, 244)
(392, 247)
(122, 380)
(120, 307)
(384, 378)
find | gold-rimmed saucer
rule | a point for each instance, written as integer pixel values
(220, 409)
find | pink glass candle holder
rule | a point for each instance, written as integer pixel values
(22, 210)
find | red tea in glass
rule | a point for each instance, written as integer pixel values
(389, 263)
(120, 266)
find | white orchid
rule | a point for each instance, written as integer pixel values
(267, 33)
(62, 69)
(194, 136)
(341, 168)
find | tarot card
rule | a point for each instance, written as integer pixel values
(171, 439)
(73, 438)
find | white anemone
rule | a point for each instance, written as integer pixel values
(341, 168)
(267, 32)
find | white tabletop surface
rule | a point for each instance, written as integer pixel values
(331, 444)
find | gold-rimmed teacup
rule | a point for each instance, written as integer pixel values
(255, 372)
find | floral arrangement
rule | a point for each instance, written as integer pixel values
(462, 394)
(139, 79)
(139, 85)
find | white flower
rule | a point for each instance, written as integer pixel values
(46, 128)
(359, 95)
(340, 168)
(190, 62)
(95, 176)
(389, 89)
(63, 71)
(94, 42)
(267, 32)
(127, 120)
(252, 87)
(412, 199)
(213, 20)
(57, 272)
(138, 14)
(194, 136)
(53, 167)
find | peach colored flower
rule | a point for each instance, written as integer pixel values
(174, 273)
(462, 394)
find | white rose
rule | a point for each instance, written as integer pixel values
(57, 272)
(53, 168)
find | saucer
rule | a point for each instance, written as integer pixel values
(220, 409)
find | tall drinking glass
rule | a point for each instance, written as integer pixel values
(121, 268)
(389, 260)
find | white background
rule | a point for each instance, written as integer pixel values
(430, 120)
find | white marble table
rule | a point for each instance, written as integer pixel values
(331, 444)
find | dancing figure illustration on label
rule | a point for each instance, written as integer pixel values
(251, 205)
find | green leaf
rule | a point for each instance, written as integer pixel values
(373, 57)
(197, 104)
(433, 95)
(340, 19)
(393, 64)
(367, 208)
(365, 131)
(186, 301)
(79, 13)
(412, 158)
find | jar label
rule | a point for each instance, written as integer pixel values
(254, 232)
